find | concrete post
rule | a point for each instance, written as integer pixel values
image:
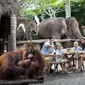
(68, 9)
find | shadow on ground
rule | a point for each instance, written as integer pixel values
(72, 78)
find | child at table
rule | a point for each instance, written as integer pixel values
(59, 57)
(77, 49)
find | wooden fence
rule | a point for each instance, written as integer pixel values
(43, 40)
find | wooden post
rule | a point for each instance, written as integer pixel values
(12, 37)
(68, 9)
(30, 34)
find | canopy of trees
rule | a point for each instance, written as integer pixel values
(52, 8)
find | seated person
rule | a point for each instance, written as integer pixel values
(48, 48)
(82, 43)
(60, 57)
(75, 48)
(82, 56)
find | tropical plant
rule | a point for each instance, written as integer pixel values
(43, 8)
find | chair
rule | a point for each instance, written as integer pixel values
(77, 57)
(55, 65)
(48, 59)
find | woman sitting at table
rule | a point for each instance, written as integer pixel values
(60, 57)
(82, 56)
(82, 43)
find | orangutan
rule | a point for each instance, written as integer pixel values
(8, 68)
(28, 62)
(36, 67)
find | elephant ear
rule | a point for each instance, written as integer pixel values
(60, 28)
(44, 28)
(57, 35)
(53, 27)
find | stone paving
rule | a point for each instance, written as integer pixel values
(72, 78)
(64, 79)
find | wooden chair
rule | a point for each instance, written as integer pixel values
(55, 65)
(77, 57)
(48, 59)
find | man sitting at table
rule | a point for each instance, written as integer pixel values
(60, 58)
(48, 48)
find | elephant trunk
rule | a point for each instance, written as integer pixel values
(77, 34)
(73, 28)
(63, 33)
(20, 33)
(83, 28)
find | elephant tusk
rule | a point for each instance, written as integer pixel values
(21, 26)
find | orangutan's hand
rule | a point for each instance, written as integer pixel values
(27, 61)
(24, 62)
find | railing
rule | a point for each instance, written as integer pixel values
(43, 40)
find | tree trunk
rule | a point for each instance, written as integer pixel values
(68, 9)
(12, 37)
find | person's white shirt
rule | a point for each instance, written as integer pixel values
(48, 50)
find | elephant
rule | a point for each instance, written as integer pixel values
(60, 28)
(83, 29)
(25, 28)
(53, 27)
(73, 30)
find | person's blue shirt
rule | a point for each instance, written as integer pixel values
(58, 52)
(45, 50)
(77, 49)
(84, 48)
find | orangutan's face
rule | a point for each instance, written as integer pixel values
(30, 49)
(30, 55)
(29, 52)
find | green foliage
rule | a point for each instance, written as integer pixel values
(41, 9)
(78, 10)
